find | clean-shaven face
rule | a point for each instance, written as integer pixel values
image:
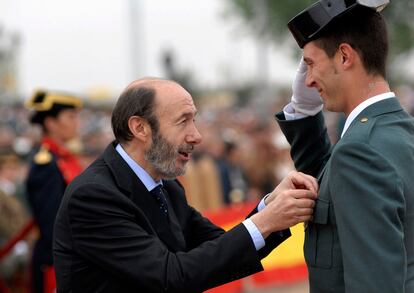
(323, 75)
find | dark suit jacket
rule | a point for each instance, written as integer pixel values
(111, 237)
(362, 235)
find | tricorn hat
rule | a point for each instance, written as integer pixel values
(308, 24)
(45, 103)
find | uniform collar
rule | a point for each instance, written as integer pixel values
(365, 104)
(54, 147)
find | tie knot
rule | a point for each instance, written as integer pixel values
(157, 190)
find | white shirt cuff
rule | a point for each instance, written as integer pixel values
(257, 237)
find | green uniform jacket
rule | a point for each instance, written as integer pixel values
(361, 238)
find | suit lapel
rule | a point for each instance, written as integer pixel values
(127, 181)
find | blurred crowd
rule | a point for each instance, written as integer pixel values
(243, 156)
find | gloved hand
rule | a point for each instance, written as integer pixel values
(305, 100)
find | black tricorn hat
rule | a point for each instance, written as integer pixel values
(308, 24)
(46, 103)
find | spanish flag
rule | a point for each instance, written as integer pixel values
(285, 265)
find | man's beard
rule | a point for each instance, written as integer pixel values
(163, 157)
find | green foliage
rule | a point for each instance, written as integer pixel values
(399, 16)
(278, 13)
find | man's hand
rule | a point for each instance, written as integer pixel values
(294, 180)
(305, 100)
(290, 203)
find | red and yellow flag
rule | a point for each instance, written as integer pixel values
(285, 265)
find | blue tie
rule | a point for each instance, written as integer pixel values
(160, 197)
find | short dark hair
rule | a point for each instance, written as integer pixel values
(365, 31)
(134, 101)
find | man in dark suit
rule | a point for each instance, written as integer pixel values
(361, 238)
(124, 224)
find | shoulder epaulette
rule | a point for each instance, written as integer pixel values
(43, 156)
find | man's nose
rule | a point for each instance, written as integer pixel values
(194, 137)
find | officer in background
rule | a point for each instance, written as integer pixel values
(52, 168)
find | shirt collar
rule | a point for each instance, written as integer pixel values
(143, 175)
(358, 109)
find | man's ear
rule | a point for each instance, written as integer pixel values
(347, 55)
(139, 128)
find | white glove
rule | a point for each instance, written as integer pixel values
(305, 100)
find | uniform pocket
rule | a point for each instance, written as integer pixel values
(319, 237)
(321, 212)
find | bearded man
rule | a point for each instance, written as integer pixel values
(124, 225)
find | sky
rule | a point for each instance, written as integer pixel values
(102, 45)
